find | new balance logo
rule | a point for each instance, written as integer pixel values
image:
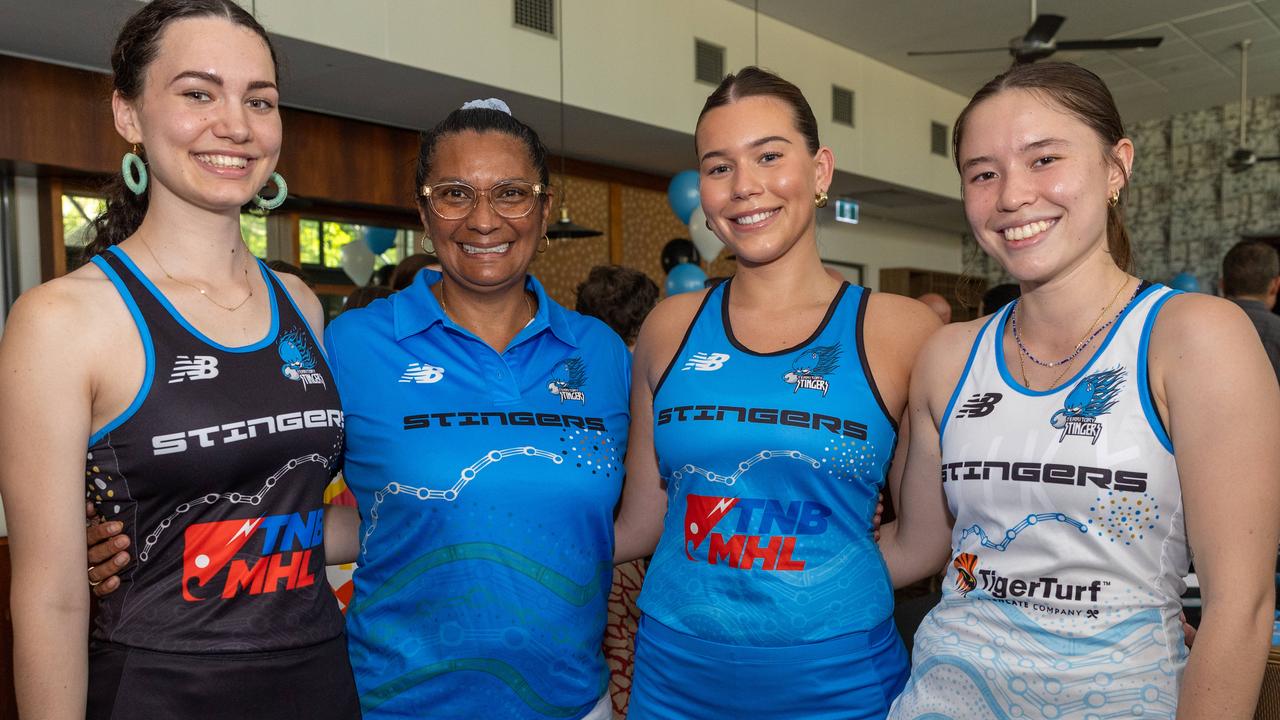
(980, 405)
(193, 367)
(422, 373)
(706, 362)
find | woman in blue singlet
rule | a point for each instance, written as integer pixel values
(768, 406)
(1092, 435)
(173, 381)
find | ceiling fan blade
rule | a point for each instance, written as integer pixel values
(957, 52)
(1043, 29)
(1121, 44)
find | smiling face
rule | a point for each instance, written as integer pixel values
(484, 251)
(1036, 181)
(207, 115)
(758, 178)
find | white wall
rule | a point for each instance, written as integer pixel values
(878, 243)
(635, 60)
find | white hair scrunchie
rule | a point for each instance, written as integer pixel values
(488, 104)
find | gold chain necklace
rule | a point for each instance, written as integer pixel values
(528, 304)
(197, 288)
(1085, 339)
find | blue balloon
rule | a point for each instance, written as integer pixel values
(682, 194)
(379, 239)
(685, 277)
(1185, 281)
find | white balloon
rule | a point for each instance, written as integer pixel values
(706, 241)
(357, 262)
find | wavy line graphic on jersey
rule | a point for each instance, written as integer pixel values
(1066, 646)
(743, 466)
(465, 476)
(1014, 531)
(233, 497)
(558, 584)
(921, 670)
(495, 668)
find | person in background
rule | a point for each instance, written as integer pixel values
(157, 380)
(938, 305)
(622, 297)
(382, 276)
(286, 268)
(1251, 279)
(408, 269)
(998, 296)
(363, 296)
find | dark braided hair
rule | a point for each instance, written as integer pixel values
(135, 49)
(479, 120)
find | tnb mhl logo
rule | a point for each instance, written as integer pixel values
(283, 557)
(765, 530)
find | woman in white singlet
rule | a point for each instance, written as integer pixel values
(1092, 437)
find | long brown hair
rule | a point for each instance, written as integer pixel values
(135, 50)
(1085, 96)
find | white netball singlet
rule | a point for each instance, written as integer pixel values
(1061, 599)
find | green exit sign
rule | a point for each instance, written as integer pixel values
(846, 211)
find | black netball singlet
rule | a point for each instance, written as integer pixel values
(217, 470)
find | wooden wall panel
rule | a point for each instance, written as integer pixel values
(567, 262)
(648, 224)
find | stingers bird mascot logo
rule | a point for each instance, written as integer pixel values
(1092, 397)
(810, 368)
(570, 388)
(966, 579)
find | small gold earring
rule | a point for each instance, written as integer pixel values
(546, 244)
(427, 246)
(820, 199)
(1114, 200)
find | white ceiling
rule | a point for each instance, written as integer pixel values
(1197, 65)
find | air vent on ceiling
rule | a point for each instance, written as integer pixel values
(938, 133)
(708, 62)
(841, 105)
(537, 15)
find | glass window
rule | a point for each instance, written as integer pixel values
(79, 210)
(321, 241)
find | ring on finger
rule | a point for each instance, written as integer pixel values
(92, 583)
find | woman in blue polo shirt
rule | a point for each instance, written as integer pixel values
(486, 427)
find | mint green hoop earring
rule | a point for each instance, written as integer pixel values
(282, 192)
(134, 172)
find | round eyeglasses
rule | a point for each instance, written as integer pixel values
(511, 199)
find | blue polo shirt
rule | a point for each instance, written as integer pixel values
(486, 483)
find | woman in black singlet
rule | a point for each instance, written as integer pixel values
(179, 376)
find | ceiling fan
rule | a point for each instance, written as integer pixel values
(1039, 42)
(1244, 158)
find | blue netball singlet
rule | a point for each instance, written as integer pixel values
(1069, 546)
(773, 462)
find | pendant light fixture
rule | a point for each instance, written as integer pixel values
(565, 227)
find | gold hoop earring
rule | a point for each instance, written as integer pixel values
(820, 199)
(427, 246)
(1114, 200)
(546, 244)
